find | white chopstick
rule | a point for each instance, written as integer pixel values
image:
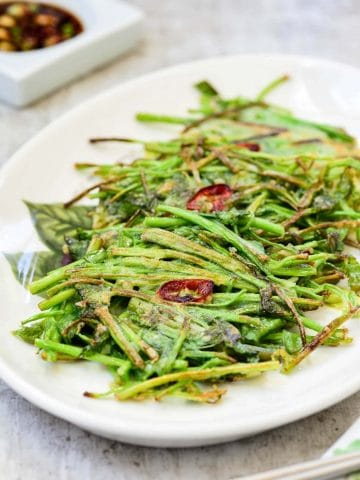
(323, 469)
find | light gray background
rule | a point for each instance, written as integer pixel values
(36, 446)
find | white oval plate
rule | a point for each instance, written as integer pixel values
(42, 171)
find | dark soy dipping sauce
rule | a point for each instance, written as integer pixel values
(28, 26)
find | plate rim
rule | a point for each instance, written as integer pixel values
(162, 436)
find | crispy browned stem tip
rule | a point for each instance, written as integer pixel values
(110, 139)
(307, 140)
(294, 218)
(293, 310)
(271, 133)
(85, 165)
(88, 395)
(82, 194)
(340, 224)
(320, 338)
(326, 331)
(133, 217)
(223, 113)
(352, 243)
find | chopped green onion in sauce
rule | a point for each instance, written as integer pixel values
(28, 26)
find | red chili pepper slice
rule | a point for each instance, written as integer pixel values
(210, 199)
(186, 291)
(254, 147)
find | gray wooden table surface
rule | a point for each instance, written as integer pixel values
(37, 446)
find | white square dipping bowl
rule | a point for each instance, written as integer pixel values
(110, 28)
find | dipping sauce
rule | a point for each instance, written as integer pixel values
(28, 26)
